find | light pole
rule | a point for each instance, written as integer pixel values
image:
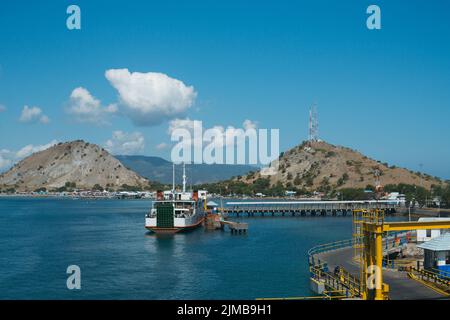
(439, 206)
(410, 204)
(421, 174)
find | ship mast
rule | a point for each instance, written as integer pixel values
(184, 177)
(173, 177)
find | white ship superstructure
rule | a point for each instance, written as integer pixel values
(175, 211)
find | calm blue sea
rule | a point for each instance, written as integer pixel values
(119, 259)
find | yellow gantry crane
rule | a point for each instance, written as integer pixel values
(369, 229)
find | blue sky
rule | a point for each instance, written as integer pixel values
(384, 92)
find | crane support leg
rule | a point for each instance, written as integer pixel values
(379, 264)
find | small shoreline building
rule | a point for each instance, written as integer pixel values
(437, 254)
(212, 206)
(427, 235)
(398, 197)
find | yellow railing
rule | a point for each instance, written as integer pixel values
(342, 284)
(327, 295)
(431, 280)
(430, 276)
(351, 282)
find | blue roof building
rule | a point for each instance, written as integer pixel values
(437, 254)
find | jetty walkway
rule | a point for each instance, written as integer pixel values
(304, 208)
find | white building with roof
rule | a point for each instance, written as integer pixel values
(437, 254)
(427, 235)
(211, 205)
(396, 196)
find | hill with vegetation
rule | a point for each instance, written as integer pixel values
(335, 172)
(321, 166)
(77, 164)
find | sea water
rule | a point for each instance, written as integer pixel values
(119, 259)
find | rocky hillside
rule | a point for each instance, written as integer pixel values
(76, 162)
(322, 166)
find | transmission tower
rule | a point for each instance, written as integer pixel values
(378, 185)
(313, 124)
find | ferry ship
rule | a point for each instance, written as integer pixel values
(174, 211)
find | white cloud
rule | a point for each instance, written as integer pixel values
(4, 163)
(33, 115)
(30, 149)
(183, 124)
(125, 143)
(150, 98)
(187, 124)
(249, 124)
(194, 143)
(44, 119)
(8, 157)
(196, 124)
(222, 132)
(86, 108)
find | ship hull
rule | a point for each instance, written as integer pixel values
(175, 229)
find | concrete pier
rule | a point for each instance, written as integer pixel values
(304, 208)
(236, 227)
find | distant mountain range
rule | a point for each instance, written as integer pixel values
(311, 166)
(160, 170)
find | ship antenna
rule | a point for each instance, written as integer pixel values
(184, 177)
(173, 177)
(190, 181)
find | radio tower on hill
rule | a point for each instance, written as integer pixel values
(313, 124)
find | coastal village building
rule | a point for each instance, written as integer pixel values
(212, 206)
(437, 254)
(427, 235)
(396, 196)
(290, 193)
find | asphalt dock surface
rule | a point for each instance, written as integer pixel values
(400, 285)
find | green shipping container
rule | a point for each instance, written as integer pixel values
(164, 216)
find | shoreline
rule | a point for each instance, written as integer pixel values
(425, 212)
(73, 197)
(415, 212)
